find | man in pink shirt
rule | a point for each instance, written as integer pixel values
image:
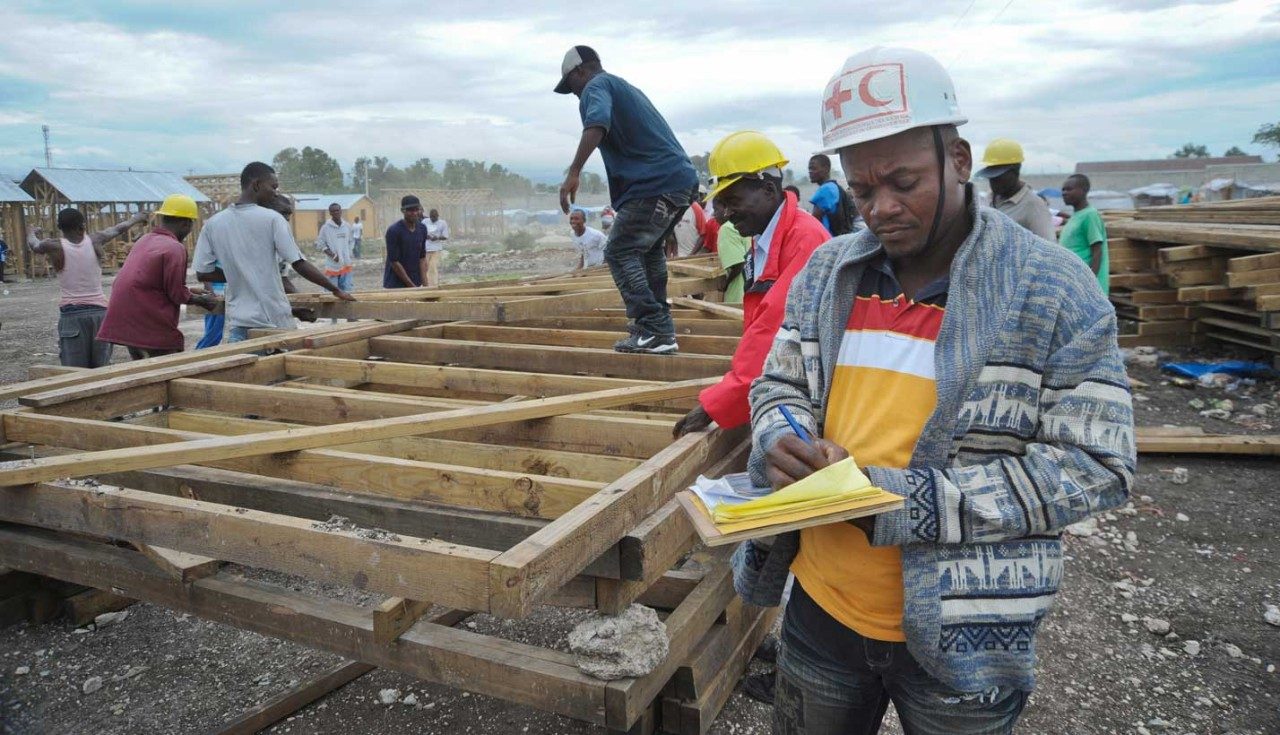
(77, 259)
(151, 287)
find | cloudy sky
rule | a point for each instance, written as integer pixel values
(207, 86)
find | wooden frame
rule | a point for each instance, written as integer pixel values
(493, 466)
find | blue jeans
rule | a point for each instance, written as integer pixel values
(342, 281)
(637, 261)
(213, 326)
(237, 334)
(833, 680)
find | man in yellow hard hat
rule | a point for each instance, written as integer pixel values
(1002, 168)
(968, 367)
(746, 186)
(150, 288)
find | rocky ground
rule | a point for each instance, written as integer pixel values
(1166, 622)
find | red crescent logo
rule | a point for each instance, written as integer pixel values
(864, 90)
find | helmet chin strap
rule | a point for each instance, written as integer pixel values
(942, 185)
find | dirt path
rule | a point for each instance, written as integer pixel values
(1201, 556)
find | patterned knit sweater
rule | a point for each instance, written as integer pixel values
(1033, 431)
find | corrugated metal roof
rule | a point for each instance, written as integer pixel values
(309, 201)
(11, 192)
(99, 185)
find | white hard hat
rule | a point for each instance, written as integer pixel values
(884, 91)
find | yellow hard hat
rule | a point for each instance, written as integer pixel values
(744, 154)
(1000, 154)
(179, 205)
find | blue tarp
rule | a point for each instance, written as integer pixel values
(1230, 367)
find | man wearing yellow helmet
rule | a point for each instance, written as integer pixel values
(1002, 168)
(150, 288)
(746, 186)
(969, 367)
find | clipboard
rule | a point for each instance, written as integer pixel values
(732, 533)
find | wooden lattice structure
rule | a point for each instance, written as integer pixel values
(106, 198)
(493, 465)
(15, 206)
(469, 212)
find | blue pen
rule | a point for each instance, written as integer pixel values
(795, 425)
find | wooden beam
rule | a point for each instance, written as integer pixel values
(724, 311)
(392, 565)
(395, 616)
(555, 554)
(618, 324)
(284, 704)
(496, 490)
(516, 672)
(610, 435)
(566, 361)
(689, 344)
(358, 332)
(83, 607)
(1259, 445)
(406, 371)
(147, 377)
(252, 445)
(179, 564)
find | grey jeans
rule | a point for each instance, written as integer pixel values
(78, 344)
(831, 680)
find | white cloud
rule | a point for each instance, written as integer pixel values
(1109, 79)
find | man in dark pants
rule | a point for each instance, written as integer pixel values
(406, 247)
(651, 184)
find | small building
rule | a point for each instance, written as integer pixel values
(223, 189)
(14, 206)
(474, 213)
(107, 197)
(311, 210)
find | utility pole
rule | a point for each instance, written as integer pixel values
(48, 152)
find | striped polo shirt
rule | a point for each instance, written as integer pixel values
(882, 393)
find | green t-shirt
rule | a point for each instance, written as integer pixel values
(732, 248)
(1080, 233)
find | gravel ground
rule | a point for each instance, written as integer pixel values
(1199, 557)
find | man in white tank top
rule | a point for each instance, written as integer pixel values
(77, 259)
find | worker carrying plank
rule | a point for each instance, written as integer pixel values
(651, 184)
(969, 367)
(241, 246)
(746, 186)
(150, 289)
(77, 259)
(1002, 168)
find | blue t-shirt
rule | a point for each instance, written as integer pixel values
(406, 248)
(641, 154)
(828, 197)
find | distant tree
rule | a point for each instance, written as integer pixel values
(422, 173)
(700, 165)
(1234, 151)
(1268, 134)
(380, 172)
(1191, 150)
(310, 169)
(592, 183)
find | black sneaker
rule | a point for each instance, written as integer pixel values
(631, 334)
(648, 343)
(768, 650)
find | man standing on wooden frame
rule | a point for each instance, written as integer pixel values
(77, 259)
(969, 367)
(651, 184)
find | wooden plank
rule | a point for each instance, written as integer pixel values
(358, 332)
(407, 567)
(496, 490)
(284, 704)
(565, 361)
(1185, 252)
(1257, 445)
(1266, 261)
(1153, 297)
(82, 608)
(609, 435)
(252, 445)
(395, 616)
(1210, 293)
(724, 311)
(708, 345)
(1137, 280)
(1195, 277)
(1253, 278)
(618, 324)
(697, 715)
(515, 672)
(556, 553)
(405, 370)
(549, 462)
(179, 564)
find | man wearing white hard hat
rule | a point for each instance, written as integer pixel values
(1002, 168)
(970, 368)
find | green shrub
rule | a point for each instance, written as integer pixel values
(519, 240)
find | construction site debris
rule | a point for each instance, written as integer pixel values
(618, 646)
(342, 523)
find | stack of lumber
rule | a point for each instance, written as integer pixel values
(490, 453)
(1216, 266)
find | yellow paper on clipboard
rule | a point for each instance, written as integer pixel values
(833, 485)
